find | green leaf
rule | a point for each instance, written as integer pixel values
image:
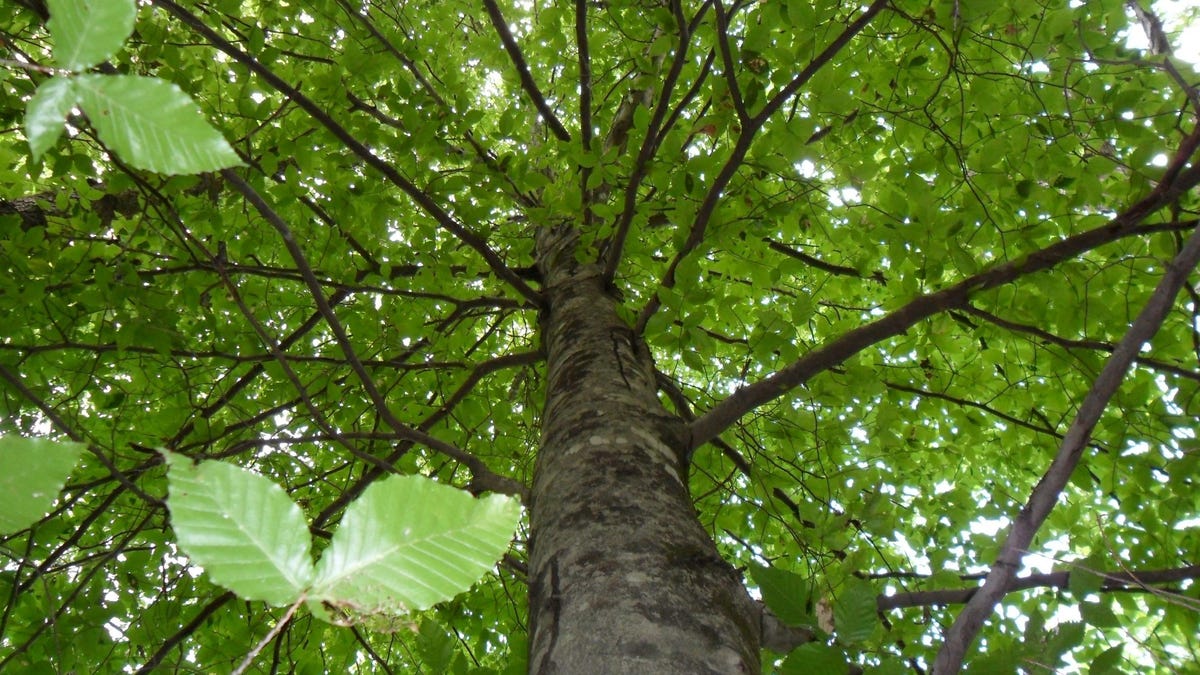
(785, 593)
(436, 646)
(32, 472)
(1107, 662)
(153, 124)
(814, 658)
(86, 32)
(1065, 637)
(241, 528)
(409, 542)
(854, 611)
(46, 113)
(1099, 614)
(1082, 579)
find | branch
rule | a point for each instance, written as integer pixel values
(1066, 343)
(1155, 34)
(842, 270)
(478, 484)
(478, 468)
(654, 133)
(585, 104)
(57, 420)
(713, 197)
(962, 633)
(183, 633)
(50, 620)
(683, 408)
(484, 155)
(527, 83)
(782, 638)
(735, 90)
(585, 76)
(747, 398)
(427, 203)
(1113, 581)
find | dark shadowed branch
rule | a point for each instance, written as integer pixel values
(527, 83)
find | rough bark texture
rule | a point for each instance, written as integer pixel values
(623, 578)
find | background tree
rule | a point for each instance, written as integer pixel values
(817, 302)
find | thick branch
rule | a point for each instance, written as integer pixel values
(832, 353)
(527, 83)
(962, 633)
(1152, 26)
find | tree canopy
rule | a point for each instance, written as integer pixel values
(914, 281)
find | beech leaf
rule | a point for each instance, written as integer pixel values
(86, 32)
(46, 112)
(152, 124)
(243, 529)
(409, 542)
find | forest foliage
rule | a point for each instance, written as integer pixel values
(888, 259)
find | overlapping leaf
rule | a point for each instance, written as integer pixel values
(153, 124)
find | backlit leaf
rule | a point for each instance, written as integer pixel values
(153, 124)
(86, 32)
(241, 528)
(409, 542)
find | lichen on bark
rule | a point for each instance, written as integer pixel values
(610, 590)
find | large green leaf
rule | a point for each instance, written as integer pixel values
(409, 542)
(88, 31)
(153, 124)
(241, 528)
(32, 472)
(854, 611)
(785, 593)
(814, 658)
(46, 113)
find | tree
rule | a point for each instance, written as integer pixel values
(851, 309)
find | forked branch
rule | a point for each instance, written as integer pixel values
(747, 398)
(1045, 494)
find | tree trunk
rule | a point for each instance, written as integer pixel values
(623, 578)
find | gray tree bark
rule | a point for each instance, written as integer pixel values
(623, 578)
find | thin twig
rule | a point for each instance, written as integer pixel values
(246, 662)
